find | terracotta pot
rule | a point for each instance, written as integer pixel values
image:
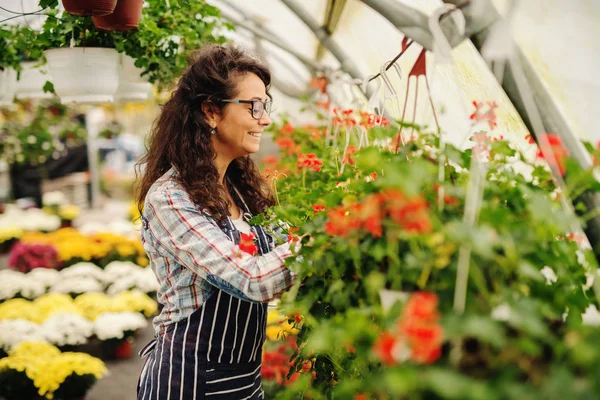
(90, 7)
(126, 16)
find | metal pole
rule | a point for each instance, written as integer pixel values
(93, 119)
(325, 38)
(310, 64)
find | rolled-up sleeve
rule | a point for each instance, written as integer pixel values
(194, 240)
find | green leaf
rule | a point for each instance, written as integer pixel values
(49, 87)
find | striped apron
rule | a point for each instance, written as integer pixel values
(215, 353)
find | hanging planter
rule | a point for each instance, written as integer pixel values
(31, 81)
(90, 7)
(8, 83)
(132, 86)
(84, 75)
(126, 16)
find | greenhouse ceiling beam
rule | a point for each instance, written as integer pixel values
(324, 38)
(415, 24)
(333, 13)
(284, 87)
(309, 63)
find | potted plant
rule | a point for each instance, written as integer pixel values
(32, 74)
(90, 7)
(9, 63)
(126, 16)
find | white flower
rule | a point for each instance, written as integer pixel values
(77, 284)
(12, 282)
(113, 325)
(13, 331)
(45, 276)
(119, 269)
(549, 275)
(502, 312)
(591, 316)
(31, 139)
(67, 329)
(83, 270)
(32, 289)
(55, 198)
(46, 145)
(143, 280)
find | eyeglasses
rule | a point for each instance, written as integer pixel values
(258, 106)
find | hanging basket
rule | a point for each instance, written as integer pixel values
(32, 80)
(90, 7)
(126, 16)
(84, 75)
(8, 83)
(132, 86)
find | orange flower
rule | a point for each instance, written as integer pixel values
(347, 158)
(247, 244)
(287, 129)
(292, 236)
(553, 151)
(309, 161)
(318, 208)
(270, 161)
(383, 348)
(287, 144)
(360, 396)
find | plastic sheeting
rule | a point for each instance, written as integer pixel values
(557, 36)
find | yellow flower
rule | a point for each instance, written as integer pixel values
(125, 250)
(18, 308)
(92, 305)
(278, 327)
(142, 261)
(34, 350)
(53, 303)
(69, 212)
(134, 212)
(10, 232)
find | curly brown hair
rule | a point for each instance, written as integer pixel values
(180, 136)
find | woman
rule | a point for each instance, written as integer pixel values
(199, 188)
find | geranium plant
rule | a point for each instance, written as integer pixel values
(379, 217)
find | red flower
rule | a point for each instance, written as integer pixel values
(360, 396)
(384, 346)
(318, 208)
(292, 236)
(247, 244)
(483, 113)
(552, 149)
(287, 144)
(347, 158)
(270, 161)
(309, 161)
(287, 129)
(374, 175)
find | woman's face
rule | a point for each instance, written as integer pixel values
(238, 133)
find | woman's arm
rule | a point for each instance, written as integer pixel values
(196, 242)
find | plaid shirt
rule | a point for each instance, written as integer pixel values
(192, 257)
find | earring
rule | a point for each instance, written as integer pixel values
(213, 131)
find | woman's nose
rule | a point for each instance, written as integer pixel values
(265, 120)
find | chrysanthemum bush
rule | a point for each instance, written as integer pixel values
(38, 370)
(372, 218)
(73, 247)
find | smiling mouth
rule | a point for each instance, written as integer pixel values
(255, 134)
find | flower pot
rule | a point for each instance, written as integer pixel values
(117, 349)
(132, 86)
(90, 7)
(32, 80)
(8, 83)
(126, 16)
(390, 297)
(84, 75)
